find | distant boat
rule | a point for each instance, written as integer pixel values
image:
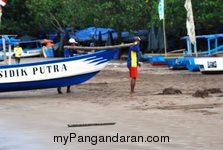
(186, 61)
(30, 48)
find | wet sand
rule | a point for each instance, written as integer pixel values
(31, 119)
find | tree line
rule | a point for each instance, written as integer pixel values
(37, 16)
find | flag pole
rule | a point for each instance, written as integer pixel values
(164, 32)
(162, 16)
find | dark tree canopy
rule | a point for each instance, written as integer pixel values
(36, 16)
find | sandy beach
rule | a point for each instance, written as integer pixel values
(30, 120)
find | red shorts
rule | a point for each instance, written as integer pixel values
(133, 72)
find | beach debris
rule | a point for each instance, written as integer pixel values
(214, 90)
(91, 124)
(201, 93)
(205, 93)
(168, 91)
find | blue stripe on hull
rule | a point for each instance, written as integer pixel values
(54, 83)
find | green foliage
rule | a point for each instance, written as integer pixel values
(15, 17)
(123, 15)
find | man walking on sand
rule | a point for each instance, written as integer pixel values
(133, 63)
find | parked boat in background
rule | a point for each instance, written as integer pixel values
(31, 48)
(210, 65)
(187, 60)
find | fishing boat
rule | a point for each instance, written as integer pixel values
(210, 65)
(30, 48)
(157, 60)
(57, 72)
(187, 60)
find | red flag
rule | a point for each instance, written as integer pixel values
(3, 2)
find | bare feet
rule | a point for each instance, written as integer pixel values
(59, 90)
(133, 92)
(69, 91)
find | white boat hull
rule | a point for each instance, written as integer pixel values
(210, 65)
(53, 73)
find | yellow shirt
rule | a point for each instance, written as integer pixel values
(18, 52)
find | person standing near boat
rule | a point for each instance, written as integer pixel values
(133, 63)
(18, 53)
(68, 53)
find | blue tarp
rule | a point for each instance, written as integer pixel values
(7, 39)
(92, 33)
(127, 36)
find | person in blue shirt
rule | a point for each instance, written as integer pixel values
(133, 63)
(68, 53)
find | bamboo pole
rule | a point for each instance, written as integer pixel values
(99, 47)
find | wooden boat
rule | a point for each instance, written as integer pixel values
(157, 61)
(160, 59)
(175, 63)
(55, 73)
